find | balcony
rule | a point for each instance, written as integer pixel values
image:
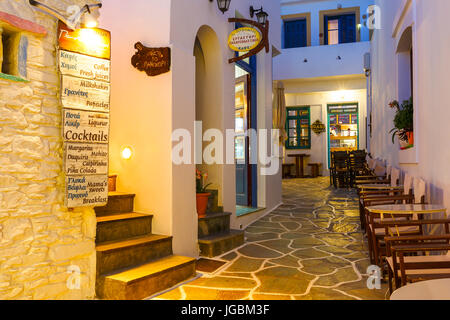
(321, 61)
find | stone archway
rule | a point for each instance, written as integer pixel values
(209, 97)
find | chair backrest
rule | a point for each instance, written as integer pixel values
(372, 163)
(395, 176)
(408, 184)
(380, 170)
(388, 171)
(419, 190)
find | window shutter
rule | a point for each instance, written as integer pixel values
(347, 29)
(295, 34)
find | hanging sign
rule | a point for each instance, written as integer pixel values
(81, 66)
(318, 127)
(85, 94)
(85, 71)
(88, 41)
(248, 39)
(154, 61)
(244, 39)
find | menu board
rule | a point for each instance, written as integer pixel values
(354, 119)
(333, 119)
(85, 71)
(344, 119)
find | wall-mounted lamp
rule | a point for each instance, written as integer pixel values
(72, 23)
(223, 5)
(127, 153)
(261, 15)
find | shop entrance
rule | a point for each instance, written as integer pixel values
(245, 119)
(343, 128)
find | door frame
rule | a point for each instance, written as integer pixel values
(329, 127)
(251, 68)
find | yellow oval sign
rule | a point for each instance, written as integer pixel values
(244, 39)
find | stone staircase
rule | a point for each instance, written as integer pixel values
(214, 234)
(133, 263)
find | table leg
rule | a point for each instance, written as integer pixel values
(302, 170)
(297, 167)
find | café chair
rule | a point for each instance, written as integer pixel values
(409, 257)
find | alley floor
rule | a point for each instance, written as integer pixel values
(310, 248)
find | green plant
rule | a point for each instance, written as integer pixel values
(404, 119)
(200, 181)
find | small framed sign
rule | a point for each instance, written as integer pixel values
(244, 39)
(154, 61)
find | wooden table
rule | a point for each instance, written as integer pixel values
(299, 164)
(438, 289)
(379, 187)
(402, 209)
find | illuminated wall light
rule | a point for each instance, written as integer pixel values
(127, 153)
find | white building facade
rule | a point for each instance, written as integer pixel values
(408, 60)
(322, 69)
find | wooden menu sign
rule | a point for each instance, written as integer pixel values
(85, 69)
(85, 94)
(86, 159)
(154, 61)
(82, 66)
(93, 42)
(85, 191)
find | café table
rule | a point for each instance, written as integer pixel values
(405, 209)
(299, 164)
(375, 186)
(438, 289)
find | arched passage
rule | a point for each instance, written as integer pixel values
(209, 98)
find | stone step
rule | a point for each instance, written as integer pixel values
(216, 245)
(118, 202)
(147, 279)
(213, 224)
(123, 226)
(117, 255)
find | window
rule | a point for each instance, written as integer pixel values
(295, 34)
(298, 127)
(340, 29)
(9, 54)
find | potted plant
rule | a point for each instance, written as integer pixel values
(202, 195)
(404, 123)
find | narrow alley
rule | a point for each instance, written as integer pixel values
(310, 248)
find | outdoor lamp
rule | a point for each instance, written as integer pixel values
(261, 15)
(127, 153)
(223, 5)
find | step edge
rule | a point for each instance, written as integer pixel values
(162, 239)
(222, 236)
(123, 219)
(155, 274)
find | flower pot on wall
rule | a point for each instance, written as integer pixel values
(410, 135)
(202, 204)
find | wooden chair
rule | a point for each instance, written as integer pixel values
(341, 171)
(406, 255)
(376, 231)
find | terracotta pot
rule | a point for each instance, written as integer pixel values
(202, 204)
(410, 135)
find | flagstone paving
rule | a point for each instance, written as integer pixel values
(310, 248)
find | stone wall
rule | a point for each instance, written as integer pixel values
(41, 241)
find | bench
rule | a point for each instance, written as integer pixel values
(287, 170)
(315, 169)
